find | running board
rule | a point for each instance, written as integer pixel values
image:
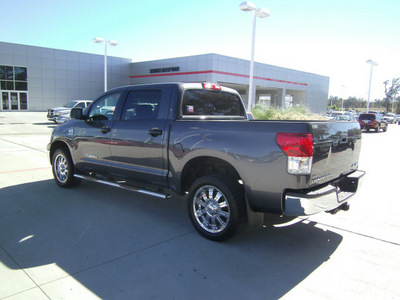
(124, 187)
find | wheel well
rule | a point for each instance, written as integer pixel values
(202, 166)
(55, 146)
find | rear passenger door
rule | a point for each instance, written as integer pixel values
(138, 138)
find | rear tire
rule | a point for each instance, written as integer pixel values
(63, 169)
(377, 128)
(216, 207)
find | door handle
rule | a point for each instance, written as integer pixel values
(105, 129)
(155, 132)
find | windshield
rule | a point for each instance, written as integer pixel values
(70, 104)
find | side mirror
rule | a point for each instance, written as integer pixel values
(76, 113)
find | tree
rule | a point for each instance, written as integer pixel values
(391, 92)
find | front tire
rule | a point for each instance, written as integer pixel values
(216, 207)
(63, 169)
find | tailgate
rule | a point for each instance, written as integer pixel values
(336, 150)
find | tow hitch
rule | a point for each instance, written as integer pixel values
(344, 207)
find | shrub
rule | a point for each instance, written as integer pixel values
(261, 112)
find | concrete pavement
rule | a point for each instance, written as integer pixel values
(94, 241)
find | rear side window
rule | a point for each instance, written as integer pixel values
(211, 103)
(142, 105)
(367, 117)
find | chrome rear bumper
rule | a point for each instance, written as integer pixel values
(323, 199)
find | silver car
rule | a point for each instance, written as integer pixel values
(61, 114)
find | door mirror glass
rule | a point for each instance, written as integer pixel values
(76, 113)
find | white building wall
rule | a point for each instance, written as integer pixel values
(58, 76)
(311, 89)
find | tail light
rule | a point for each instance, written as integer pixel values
(299, 148)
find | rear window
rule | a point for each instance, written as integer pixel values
(211, 103)
(367, 117)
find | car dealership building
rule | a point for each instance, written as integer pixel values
(35, 78)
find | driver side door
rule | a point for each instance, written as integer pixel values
(92, 136)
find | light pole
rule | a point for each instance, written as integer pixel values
(111, 43)
(373, 64)
(261, 13)
(343, 87)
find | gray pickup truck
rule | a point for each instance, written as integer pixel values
(195, 140)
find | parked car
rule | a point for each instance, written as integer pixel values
(372, 121)
(335, 114)
(61, 114)
(390, 118)
(344, 118)
(196, 140)
(397, 119)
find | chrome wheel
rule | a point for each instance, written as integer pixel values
(217, 207)
(61, 168)
(211, 209)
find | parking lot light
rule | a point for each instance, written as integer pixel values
(111, 43)
(373, 64)
(260, 13)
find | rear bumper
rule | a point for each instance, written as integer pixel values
(323, 199)
(369, 126)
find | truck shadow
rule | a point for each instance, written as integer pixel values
(121, 245)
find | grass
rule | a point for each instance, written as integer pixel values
(261, 112)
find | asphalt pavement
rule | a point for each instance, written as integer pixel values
(95, 241)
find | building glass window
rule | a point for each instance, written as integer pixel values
(13, 78)
(6, 73)
(23, 101)
(21, 86)
(14, 101)
(4, 100)
(14, 87)
(7, 85)
(20, 73)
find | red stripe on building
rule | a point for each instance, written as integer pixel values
(217, 72)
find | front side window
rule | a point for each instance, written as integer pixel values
(211, 103)
(104, 108)
(142, 105)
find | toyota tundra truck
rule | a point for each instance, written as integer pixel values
(195, 140)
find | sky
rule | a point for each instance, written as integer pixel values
(329, 38)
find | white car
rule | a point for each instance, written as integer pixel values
(390, 118)
(61, 114)
(334, 114)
